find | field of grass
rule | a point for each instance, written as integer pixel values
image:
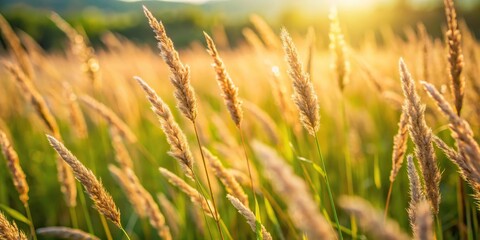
(302, 135)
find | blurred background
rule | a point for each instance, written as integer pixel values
(186, 19)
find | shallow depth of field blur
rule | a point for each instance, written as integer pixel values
(358, 123)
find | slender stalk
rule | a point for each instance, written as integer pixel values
(125, 232)
(201, 190)
(83, 202)
(388, 200)
(439, 228)
(248, 162)
(105, 227)
(328, 188)
(208, 181)
(32, 227)
(73, 216)
(461, 207)
(348, 161)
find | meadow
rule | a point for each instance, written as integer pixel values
(281, 137)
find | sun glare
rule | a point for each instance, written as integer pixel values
(357, 4)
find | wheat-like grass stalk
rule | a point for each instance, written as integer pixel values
(229, 90)
(371, 220)
(416, 193)
(468, 172)
(65, 233)
(423, 226)
(266, 32)
(157, 220)
(462, 131)
(75, 113)
(36, 99)
(249, 216)
(179, 148)
(253, 40)
(399, 146)
(173, 220)
(101, 198)
(9, 231)
(228, 180)
(129, 189)
(121, 152)
(421, 135)
(467, 158)
(110, 117)
(65, 175)
(194, 195)
(180, 77)
(454, 55)
(82, 49)
(14, 44)
(13, 163)
(339, 49)
(304, 93)
(293, 190)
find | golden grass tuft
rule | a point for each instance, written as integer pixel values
(99, 195)
(421, 135)
(229, 90)
(180, 73)
(399, 146)
(249, 216)
(228, 180)
(454, 56)
(304, 93)
(194, 195)
(9, 231)
(179, 148)
(339, 50)
(110, 117)
(13, 163)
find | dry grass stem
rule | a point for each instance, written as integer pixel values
(179, 148)
(304, 94)
(228, 180)
(65, 175)
(416, 193)
(13, 163)
(423, 226)
(399, 146)
(121, 152)
(157, 220)
(9, 231)
(75, 113)
(135, 199)
(180, 77)
(268, 36)
(339, 49)
(194, 195)
(249, 216)
(99, 195)
(110, 117)
(12, 41)
(229, 90)
(421, 135)
(454, 55)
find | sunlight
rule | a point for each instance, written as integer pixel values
(356, 4)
